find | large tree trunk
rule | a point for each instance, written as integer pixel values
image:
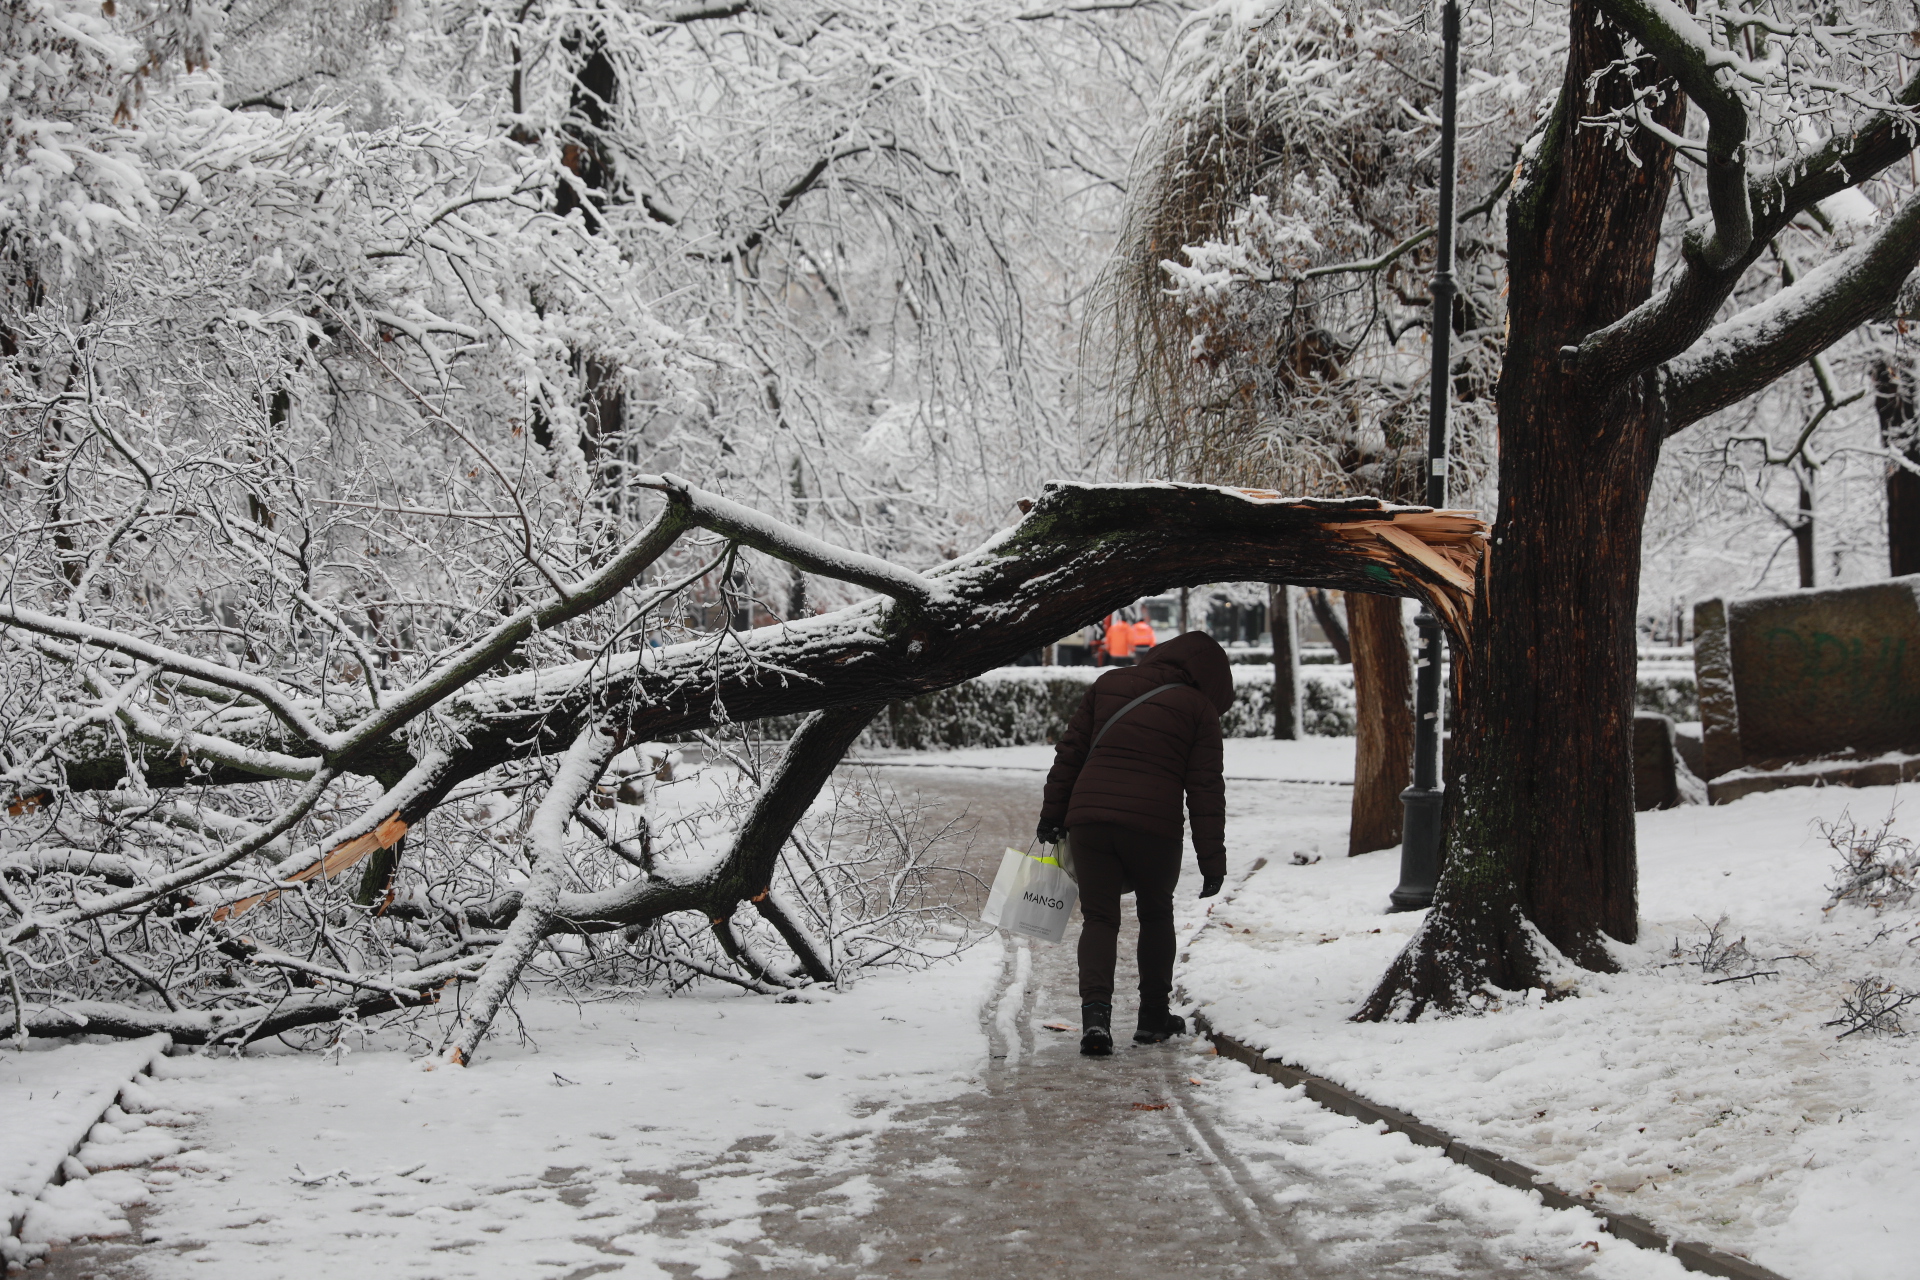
(1541, 829)
(1383, 720)
(1894, 401)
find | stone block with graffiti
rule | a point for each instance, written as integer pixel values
(1824, 683)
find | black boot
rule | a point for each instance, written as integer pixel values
(1158, 1025)
(1096, 1034)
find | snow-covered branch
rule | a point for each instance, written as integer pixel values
(268, 694)
(1810, 167)
(1688, 54)
(795, 546)
(580, 769)
(1735, 359)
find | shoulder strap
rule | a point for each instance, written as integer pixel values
(1114, 719)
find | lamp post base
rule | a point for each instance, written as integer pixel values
(1419, 849)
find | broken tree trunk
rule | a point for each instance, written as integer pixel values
(1383, 721)
(1081, 552)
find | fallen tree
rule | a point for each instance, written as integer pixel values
(157, 714)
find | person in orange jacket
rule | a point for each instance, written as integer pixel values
(1143, 639)
(1118, 642)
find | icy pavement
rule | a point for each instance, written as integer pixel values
(550, 1158)
(1167, 1160)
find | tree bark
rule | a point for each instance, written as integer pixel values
(1330, 623)
(1383, 720)
(1894, 402)
(1540, 833)
(1286, 665)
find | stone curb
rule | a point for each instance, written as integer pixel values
(1693, 1255)
(160, 1045)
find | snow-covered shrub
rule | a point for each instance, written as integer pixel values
(1326, 703)
(1714, 955)
(1009, 707)
(1722, 959)
(1027, 706)
(1877, 868)
(1671, 693)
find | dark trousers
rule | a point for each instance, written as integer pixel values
(1104, 856)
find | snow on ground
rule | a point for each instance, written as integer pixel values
(651, 1131)
(53, 1096)
(1327, 760)
(555, 1154)
(1318, 1165)
(1726, 1111)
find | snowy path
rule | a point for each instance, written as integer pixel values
(1125, 1168)
(1164, 1160)
(924, 1125)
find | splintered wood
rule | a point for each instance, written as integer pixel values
(384, 836)
(1445, 549)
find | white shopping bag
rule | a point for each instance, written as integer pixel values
(1032, 896)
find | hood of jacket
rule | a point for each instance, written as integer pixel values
(1199, 657)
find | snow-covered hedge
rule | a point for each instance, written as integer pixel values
(1021, 706)
(1018, 706)
(1668, 689)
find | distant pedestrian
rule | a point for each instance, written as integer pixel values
(1117, 641)
(1143, 639)
(1142, 739)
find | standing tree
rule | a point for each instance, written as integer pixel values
(1681, 156)
(1286, 664)
(1620, 336)
(1383, 721)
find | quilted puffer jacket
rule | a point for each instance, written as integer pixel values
(1164, 749)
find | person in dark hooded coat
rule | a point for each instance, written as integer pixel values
(1118, 806)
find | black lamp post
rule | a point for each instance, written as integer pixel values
(1420, 829)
